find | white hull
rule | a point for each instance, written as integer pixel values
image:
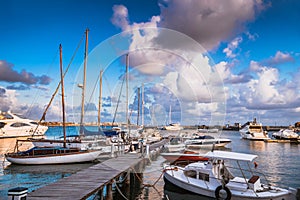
(286, 134)
(12, 126)
(78, 157)
(206, 143)
(209, 190)
(254, 135)
(175, 147)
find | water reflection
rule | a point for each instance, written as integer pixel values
(33, 177)
(257, 146)
(173, 192)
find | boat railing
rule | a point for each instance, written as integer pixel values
(252, 173)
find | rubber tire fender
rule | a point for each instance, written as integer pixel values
(219, 188)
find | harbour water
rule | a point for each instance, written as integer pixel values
(280, 162)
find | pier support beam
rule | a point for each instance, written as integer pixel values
(109, 192)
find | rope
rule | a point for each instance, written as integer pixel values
(120, 192)
(115, 114)
(57, 88)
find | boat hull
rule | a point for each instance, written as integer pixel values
(171, 176)
(206, 143)
(171, 157)
(259, 136)
(85, 156)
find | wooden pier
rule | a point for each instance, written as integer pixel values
(87, 182)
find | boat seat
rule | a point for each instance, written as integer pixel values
(238, 184)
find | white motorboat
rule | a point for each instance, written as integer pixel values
(213, 179)
(286, 134)
(206, 141)
(12, 126)
(253, 131)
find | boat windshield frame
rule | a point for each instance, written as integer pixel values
(226, 155)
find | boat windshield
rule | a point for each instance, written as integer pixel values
(19, 124)
(255, 128)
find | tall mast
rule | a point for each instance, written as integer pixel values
(84, 81)
(127, 61)
(143, 102)
(139, 99)
(100, 98)
(170, 115)
(62, 94)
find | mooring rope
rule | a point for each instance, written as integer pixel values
(120, 191)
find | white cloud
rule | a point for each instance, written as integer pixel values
(281, 57)
(8, 98)
(208, 22)
(232, 46)
(120, 16)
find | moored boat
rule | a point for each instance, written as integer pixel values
(286, 134)
(13, 126)
(173, 127)
(175, 144)
(253, 131)
(51, 155)
(206, 141)
(214, 179)
(185, 156)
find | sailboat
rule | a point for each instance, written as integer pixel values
(53, 154)
(172, 126)
(101, 131)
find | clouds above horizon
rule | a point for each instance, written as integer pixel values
(8, 74)
(258, 86)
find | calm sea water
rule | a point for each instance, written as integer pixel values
(280, 162)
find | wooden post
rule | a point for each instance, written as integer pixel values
(112, 150)
(109, 195)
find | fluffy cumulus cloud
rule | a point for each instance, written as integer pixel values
(8, 74)
(173, 46)
(265, 94)
(208, 22)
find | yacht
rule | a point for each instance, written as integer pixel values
(286, 134)
(253, 131)
(12, 126)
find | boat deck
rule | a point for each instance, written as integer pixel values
(88, 181)
(283, 141)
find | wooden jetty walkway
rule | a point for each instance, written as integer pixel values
(87, 182)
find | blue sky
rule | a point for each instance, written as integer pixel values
(212, 62)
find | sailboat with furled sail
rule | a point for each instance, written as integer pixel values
(53, 154)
